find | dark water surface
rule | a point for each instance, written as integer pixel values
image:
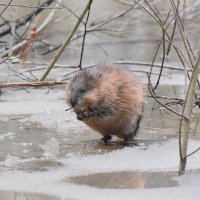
(126, 180)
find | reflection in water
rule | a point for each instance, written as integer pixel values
(126, 180)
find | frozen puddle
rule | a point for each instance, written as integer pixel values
(128, 180)
(24, 196)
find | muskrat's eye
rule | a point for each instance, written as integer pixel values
(83, 90)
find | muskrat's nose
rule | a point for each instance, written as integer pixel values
(73, 102)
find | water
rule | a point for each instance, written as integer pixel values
(126, 180)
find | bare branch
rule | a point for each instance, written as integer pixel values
(84, 35)
(26, 6)
(6, 7)
(31, 84)
(24, 20)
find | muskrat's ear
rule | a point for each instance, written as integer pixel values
(98, 75)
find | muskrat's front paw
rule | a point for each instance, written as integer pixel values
(106, 139)
(82, 115)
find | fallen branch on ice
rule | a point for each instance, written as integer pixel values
(31, 84)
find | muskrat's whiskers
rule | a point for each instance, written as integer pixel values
(68, 109)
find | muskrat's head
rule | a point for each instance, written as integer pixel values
(84, 91)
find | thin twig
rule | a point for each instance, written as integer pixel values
(68, 9)
(26, 6)
(163, 56)
(162, 41)
(173, 32)
(6, 7)
(21, 75)
(150, 87)
(111, 18)
(185, 42)
(18, 46)
(28, 17)
(193, 152)
(160, 24)
(84, 35)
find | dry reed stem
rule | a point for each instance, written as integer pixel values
(186, 117)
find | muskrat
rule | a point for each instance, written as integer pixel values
(108, 99)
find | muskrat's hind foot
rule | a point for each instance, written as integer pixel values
(129, 138)
(130, 141)
(106, 139)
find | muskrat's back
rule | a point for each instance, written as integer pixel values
(108, 99)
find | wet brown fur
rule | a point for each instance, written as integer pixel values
(112, 103)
